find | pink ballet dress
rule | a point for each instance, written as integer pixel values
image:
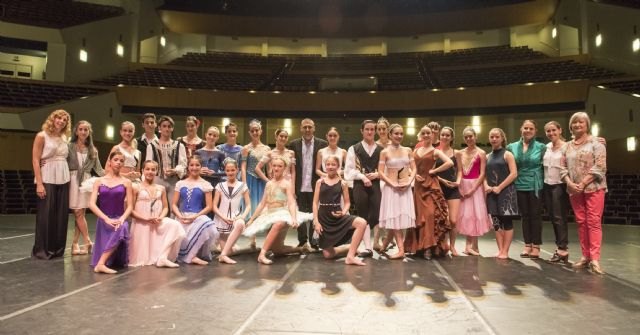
(473, 219)
(397, 210)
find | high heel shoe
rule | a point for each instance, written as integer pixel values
(557, 258)
(75, 250)
(527, 250)
(595, 267)
(537, 255)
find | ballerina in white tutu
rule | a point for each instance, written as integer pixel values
(280, 213)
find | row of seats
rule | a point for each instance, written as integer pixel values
(55, 13)
(313, 8)
(291, 81)
(627, 86)
(394, 61)
(17, 192)
(21, 94)
(159, 77)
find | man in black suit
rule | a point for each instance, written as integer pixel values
(306, 149)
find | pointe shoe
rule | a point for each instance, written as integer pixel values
(226, 260)
(75, 250)
(89, 247)
(581, 264)
(595, 268)
(396, 256)
(471, 252)
(101, 268)
(165, 263)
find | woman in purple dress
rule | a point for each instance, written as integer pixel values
(114, 194)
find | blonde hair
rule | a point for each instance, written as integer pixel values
(48, 126)
(284, 160)
(393, 126)
(134, 142)
(213, 128)
(502, 134)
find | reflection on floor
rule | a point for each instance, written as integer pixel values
(309, 295)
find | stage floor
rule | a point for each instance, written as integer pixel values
(309, 295)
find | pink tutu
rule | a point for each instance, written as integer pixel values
(473, 219)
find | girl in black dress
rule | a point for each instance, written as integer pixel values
(331, 218)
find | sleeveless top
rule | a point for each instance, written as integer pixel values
(192, 194)
(472, 171)
(54, 154)
(364, 162)
(111, 199)
(275, 193)
(130, 159)
(497, 167)
(147, 203)
(449, 174)
(330, 197)
(254, 155)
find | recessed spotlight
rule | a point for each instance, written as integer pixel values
(312, 92)
(435, 90)
(636, 95)
(162, 87)
(276, 92)
(372, 92)
(252, 91)
(461, 88)
(528, 84)
(601, 87)
(120, 85)
(556, 81)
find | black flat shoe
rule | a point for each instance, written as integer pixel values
(427, 254)
(557, 258)
(366, 254)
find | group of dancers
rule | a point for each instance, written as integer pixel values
(188, 196)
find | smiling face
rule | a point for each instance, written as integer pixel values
(149, 125)
(446, 136)
(212, 136)
(127, 132)
(553, 132)
(579, 126)
(396, 135)
(368, 132)
(383, 130)
(282, 138)
(333, 137)
(331, 165)
(232, 134)
(307, 129)
(528, 130)
(469, 138)
(231, 171)
(426, 135)
(60, 122)
(83, 131)
(194, 167)
(166, 129)
(255, 131)
(495, 138)
(191, 128)
(149, 171)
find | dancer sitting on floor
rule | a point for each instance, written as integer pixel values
(155, 238)
(280, 214)
(331, 216)
(229, 209)
(191, 203)
(114, 196)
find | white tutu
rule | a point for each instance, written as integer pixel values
(268, 217)
(87, 185)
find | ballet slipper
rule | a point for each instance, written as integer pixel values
(101, 268)
(354, 261)
(198, 261)
(165, 263)
(226, 260)
(398, 255)
(75, 250)
(471, 252)
(264, 260)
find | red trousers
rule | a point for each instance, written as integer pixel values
(588, 208)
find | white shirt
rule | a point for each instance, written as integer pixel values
(307, 165)
(552, 165)
(350, 171)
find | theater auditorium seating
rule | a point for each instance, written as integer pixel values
(29, 94)
(54, 13)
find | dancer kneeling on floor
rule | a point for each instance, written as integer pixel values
(155, 238)
(191, 203)
(113, 193)
(331, 216)
(228, 208)
(280, 213)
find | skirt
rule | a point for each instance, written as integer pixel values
(201, 235)
(270, 216)
(473, 219)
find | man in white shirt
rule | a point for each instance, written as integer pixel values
(149, 124)
(306, 150)
(361, 166)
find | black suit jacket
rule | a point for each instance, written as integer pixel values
(296, 146)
